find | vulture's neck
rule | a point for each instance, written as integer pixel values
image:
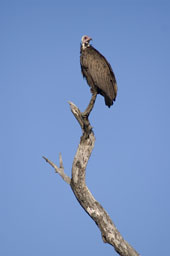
(85, 45)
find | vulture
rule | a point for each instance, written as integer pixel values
(97, 71)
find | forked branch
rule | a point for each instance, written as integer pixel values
(59, 170)
(109, 232)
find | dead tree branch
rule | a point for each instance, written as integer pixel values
(109, 232)
(59, 170)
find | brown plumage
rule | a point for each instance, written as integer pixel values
(97, 71)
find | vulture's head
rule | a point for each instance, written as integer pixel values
(85, 41)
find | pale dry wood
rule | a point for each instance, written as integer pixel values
(59, 170)
(109, 232)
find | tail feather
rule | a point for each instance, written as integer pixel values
(108, 101)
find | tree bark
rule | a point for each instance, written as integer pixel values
(109, 232)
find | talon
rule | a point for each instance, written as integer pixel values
(93, 90)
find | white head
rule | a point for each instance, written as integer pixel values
(85, 41)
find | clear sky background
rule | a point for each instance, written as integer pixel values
(129, 170)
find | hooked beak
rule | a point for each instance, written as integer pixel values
(89, 39)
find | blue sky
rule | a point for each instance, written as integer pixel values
(129, 170)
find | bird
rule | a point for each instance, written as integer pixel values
(97, 71)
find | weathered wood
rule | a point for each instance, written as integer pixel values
(59, 170)
(109, 232)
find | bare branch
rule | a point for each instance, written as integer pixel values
(59, 170)
(76, 112)
(61, 161)
(109, 232)
(89, 108)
